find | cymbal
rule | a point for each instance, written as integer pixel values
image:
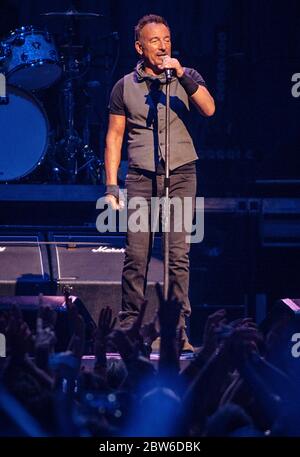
(72, 14)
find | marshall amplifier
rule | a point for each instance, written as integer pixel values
(24, 266)
(92, 266)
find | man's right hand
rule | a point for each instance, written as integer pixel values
(114, 202)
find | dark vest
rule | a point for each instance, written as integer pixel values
(145, 105)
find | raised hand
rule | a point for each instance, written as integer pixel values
(169, 313)
(133, 332)
(126, 348)
(213, 322)
(150, 332)
(48, 315)
(45, 337)
(241, 342)
(105, 323)
(105, 326)
(19, 336)
(76, 344)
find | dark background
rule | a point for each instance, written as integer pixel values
(247, 51)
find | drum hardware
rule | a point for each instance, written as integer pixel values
(93, 164)
(31, 61)
(5, 52)
(73, 155)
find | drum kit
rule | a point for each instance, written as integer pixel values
(30, 61)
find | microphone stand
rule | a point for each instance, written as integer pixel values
(166, 221)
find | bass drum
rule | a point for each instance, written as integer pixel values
(24, 134)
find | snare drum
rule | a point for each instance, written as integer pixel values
(33, 62)
(24, 133)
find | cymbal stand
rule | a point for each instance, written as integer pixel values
(75, 151)
(71, 143)
(93, 164)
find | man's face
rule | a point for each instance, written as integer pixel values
(154, 43)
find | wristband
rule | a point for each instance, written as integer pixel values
(112, 190)
(189, 85)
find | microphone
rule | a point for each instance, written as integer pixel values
(169, 73)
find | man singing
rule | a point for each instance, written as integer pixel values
(137, 103)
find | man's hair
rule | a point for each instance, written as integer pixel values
(148, 19)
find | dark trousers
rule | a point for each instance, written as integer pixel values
(139, 245)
